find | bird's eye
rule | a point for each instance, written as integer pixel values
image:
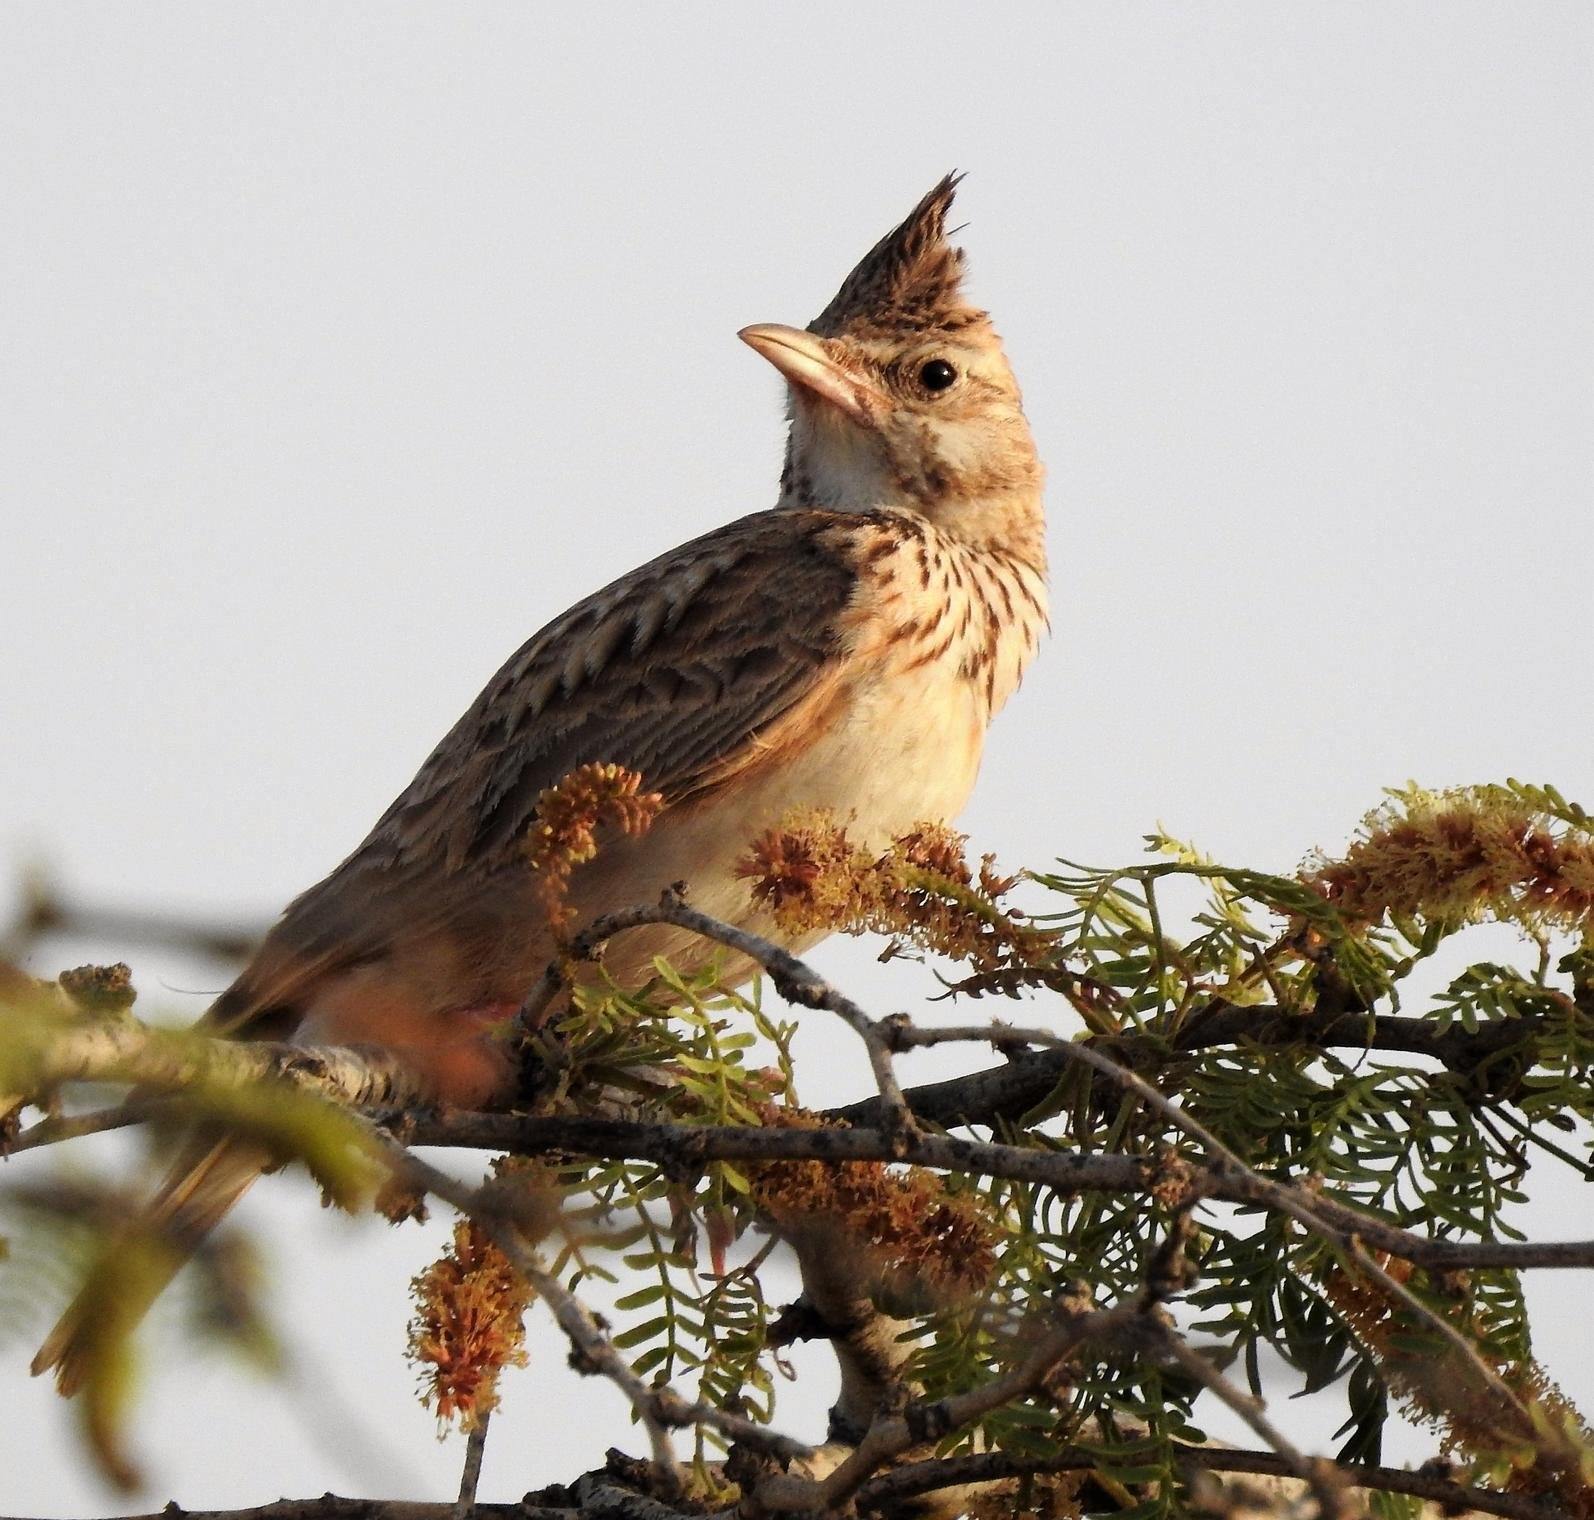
(937, 375)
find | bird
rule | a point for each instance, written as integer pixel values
(842, 652)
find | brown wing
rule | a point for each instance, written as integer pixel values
(668, 671)
(676, 670)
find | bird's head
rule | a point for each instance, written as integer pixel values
(901, 394)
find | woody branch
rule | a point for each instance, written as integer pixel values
(370, 1080)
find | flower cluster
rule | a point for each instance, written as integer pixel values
(570, 815)
(1462, 855)
(917, 1239)
(922, 891)
(468, 1326)
(1550, 1452)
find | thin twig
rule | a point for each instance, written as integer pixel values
(471, 1475)
(1315, 1475)
(793, 979)
(47, 912)
(1007, 1091)
(1447, 1332)
(1006, 1036)
(98, 1121)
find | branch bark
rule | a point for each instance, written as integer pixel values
(915, 1478)
(689, 1147)
(119, 1049)
(1028, 1078)
(911, 1480)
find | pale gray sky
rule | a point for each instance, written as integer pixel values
(341, 346)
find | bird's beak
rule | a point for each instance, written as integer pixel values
(804, 360)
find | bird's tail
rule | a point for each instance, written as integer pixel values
(208, 1178)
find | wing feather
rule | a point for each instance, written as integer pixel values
(668, 672)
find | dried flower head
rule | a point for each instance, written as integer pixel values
(922, 890)
(570, 815)
(1170, 1178)
(1461, 855)
(100, 989)
(469, 1325)
(1551, 1453)
(917, 1238)
(400, 1202)
(785, 867)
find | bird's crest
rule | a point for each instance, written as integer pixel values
(910, 281)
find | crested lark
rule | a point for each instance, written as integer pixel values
(843, 651)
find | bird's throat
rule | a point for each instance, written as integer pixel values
(835, 466)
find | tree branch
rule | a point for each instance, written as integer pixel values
(892, 1434)
(686, 1147)
(335, 1507)
(913, 1479)
(120, 1049)
(794, 979)
(45, 911)
(387, 1093)
(1028, 1078)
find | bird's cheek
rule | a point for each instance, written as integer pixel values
(957, 448)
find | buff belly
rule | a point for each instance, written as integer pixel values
(899, 754)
